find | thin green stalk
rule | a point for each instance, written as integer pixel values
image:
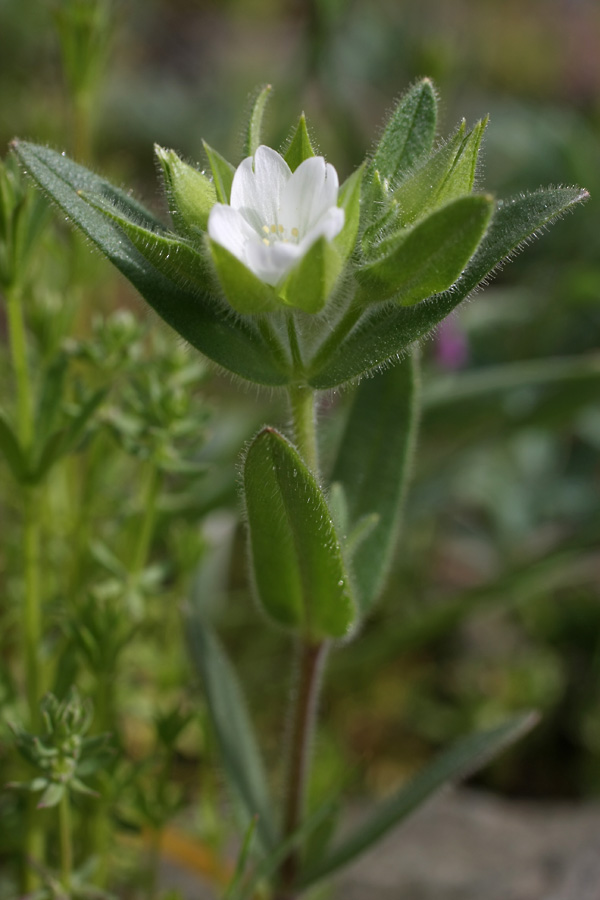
(65, 842)
(151, 492)
(31, 627)
(32, 620)
(310, 664)
(302, 404)
(331, 343)
(18, 347)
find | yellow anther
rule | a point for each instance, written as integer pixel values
(295, 232)
(273, 228)
(267, 242)
(281, 229)
(265, 228)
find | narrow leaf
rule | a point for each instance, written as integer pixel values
(409, 134)
(222, 171)
(373, 466)
(419, 193)
(384, 333)
(234, 343)
(299, 572)
(300, 147)
(64, 441)
(465, 757)
(431, 256)
(254, 130)
(461, 178)
(233, 729)
(173, 257)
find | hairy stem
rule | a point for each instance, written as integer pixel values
(310, 664)
(302, 404)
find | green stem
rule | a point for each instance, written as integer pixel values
(332, 342)
(65, 844)
(32, 622)
(302, 404)
(142, 549)
(18, 347)
(310, 664)
(33, 844)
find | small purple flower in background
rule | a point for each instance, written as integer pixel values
(452, 346)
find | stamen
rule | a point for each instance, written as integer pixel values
(281, 229)
(265, 228)
(266, 242)
(273, 229)
(295, 232)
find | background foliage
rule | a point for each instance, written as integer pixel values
(493, 604)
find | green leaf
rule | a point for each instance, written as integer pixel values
(244, 291)
(233, 729)
(65, 440)
(311, 281)
(419, 193)
(298, 568)
(300, 147)
(385, 332)
(373, 465)
(52, 795)
(253, 132)
(223, 173)
(173, 257)
(431, 256)
(462, 759)
(461, 178)
(349, 200)
(12, 451)
(268, 866)
(234, 343)
(409, 134)
(190, 193)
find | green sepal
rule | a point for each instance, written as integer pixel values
(191, 195)
(222, 171)
(245, 292)
(175, 258)
(235, 343)
(386, 331)
(349, 201)
(252, 139)
(300, 147)
(408, 137)
(311, 281)
(297, 563)
(372, 467)
(431, 256)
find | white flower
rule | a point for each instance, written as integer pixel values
(275, 215)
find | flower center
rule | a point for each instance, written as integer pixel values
(275, 233)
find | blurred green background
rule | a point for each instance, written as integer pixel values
(494, 603)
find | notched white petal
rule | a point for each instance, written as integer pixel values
(228, 227)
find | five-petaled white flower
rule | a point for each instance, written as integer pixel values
(275, 216)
